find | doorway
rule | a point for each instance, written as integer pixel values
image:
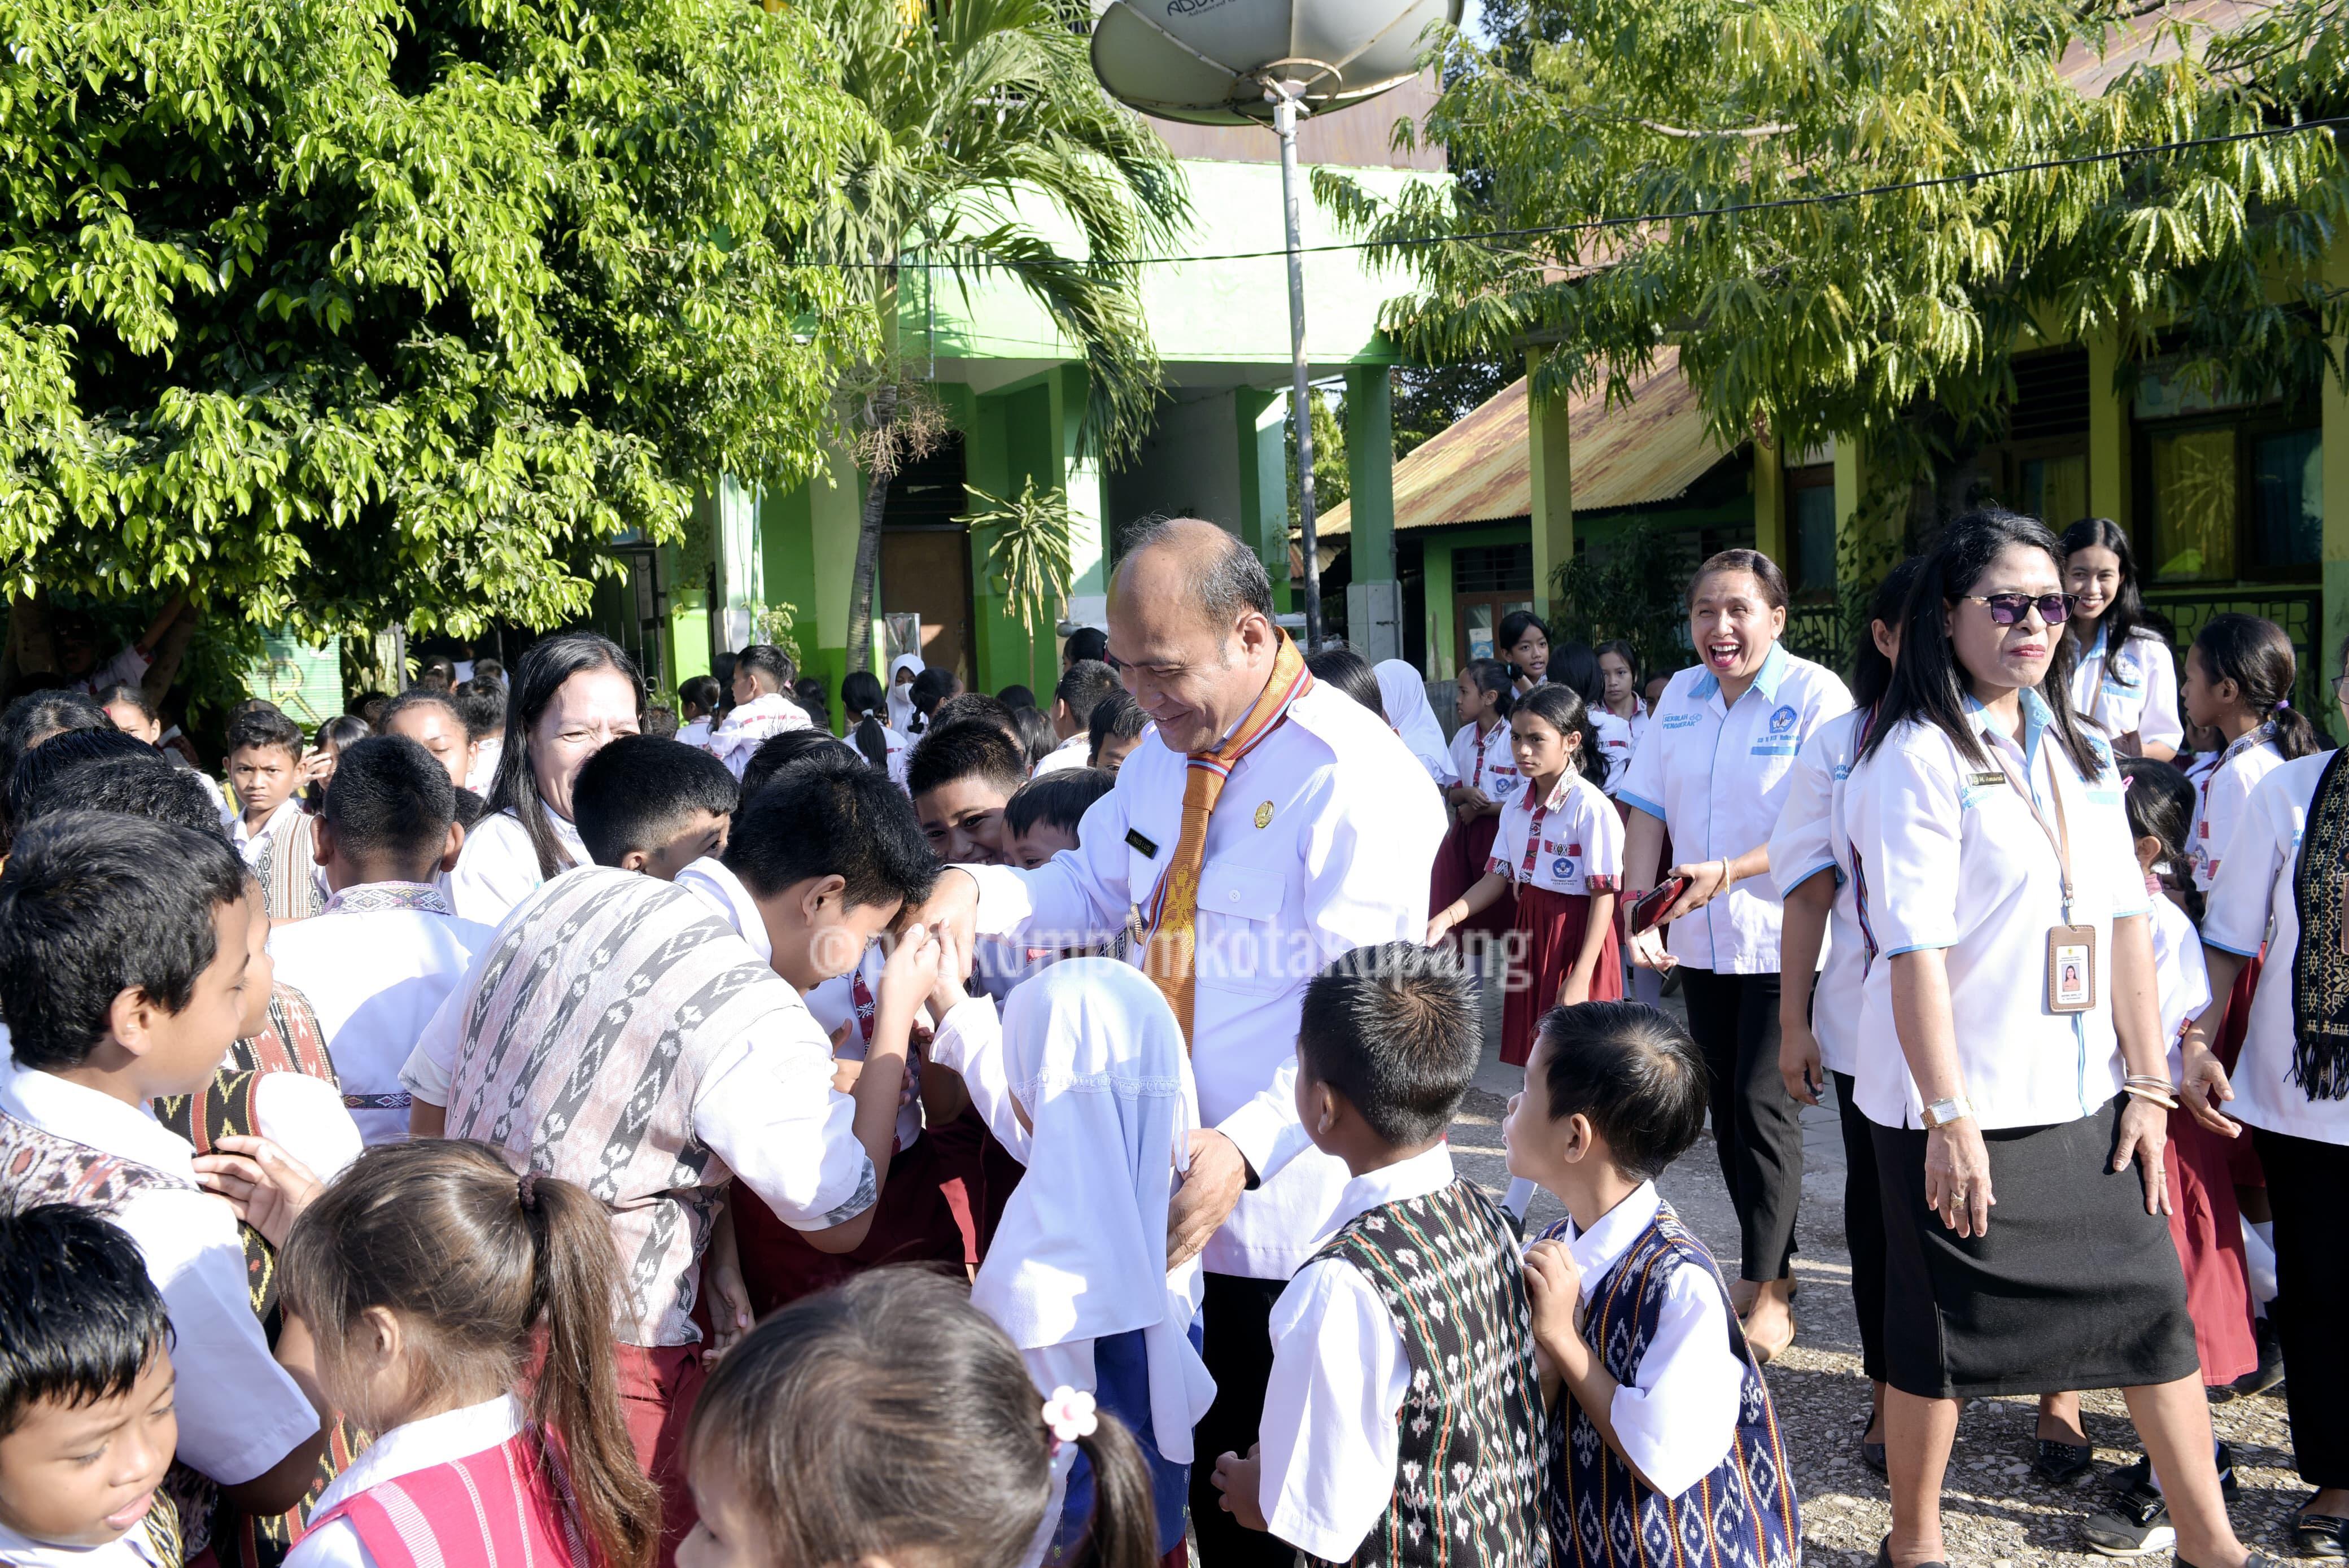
(926, 558)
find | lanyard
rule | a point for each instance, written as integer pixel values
(1533, 834)
(2059, 833)
(1477, 782)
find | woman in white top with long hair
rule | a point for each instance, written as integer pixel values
(2123, 677)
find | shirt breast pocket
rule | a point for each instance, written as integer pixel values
(1239, 927)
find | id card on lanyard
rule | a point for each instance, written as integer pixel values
(2071, 980)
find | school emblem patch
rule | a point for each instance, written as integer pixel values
(1783, 721)
(1264, 815)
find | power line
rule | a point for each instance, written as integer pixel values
(1594, 225)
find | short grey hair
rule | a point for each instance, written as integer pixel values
(1232, 581)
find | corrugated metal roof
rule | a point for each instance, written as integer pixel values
(1649, 449)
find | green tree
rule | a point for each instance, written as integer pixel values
(1630, 128)
(342, 311)
(975, 111)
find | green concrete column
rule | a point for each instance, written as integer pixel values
(1088, 520)
(1260, 427)
(1373, 598)
(2109, 467)
(1550, 439)
(1850, 488)
(1770, 533)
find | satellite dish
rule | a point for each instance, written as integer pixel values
(1210, 62)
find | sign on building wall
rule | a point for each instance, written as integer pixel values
(305, 683)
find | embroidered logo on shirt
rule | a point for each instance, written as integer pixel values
(1679, 720)
(1783, 721)
(1264, 815)
(1561, 867)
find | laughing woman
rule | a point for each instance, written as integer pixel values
(2001, 888)
(1713, 770)
(2123, 677)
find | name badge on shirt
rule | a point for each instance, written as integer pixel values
(1984, 780)
(2071, 968)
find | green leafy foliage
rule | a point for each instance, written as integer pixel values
(1028, 552)
(351, 311)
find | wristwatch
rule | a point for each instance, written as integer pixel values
(1941, 1112)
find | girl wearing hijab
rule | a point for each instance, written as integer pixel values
(1102, 1107)
(902, 671)
(1406, 704)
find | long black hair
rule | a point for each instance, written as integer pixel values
(2256, 654)
(2160, 804)
(931, 687)
(1871, 671)
(1513, 627)
(1494, 675)
(1631, 657)
(1562, 708)
(2125, 613)
(1350, 673)
(538, 675)
(1930, 686)
(1575, 664)
(861, 695)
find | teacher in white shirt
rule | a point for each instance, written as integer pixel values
(1276, 825)
(573, 694)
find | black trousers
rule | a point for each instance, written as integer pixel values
(1862, 1226)
(1235, 1318)
(1756, 1125)
(2305, 1181)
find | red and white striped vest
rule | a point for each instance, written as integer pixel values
(499, 1508)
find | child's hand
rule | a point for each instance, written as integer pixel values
(729, 1296)
(1237, 1478)
(267, 1187)
(911, 971)
(1444, 921)
(949, 992)
(1798, 1061)
(2203, 1088)
(1573, 989)
(1554, 1291)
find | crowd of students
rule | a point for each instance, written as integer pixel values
(504, 1126)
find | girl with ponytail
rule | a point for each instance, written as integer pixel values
(889, 1420)
(883, 746)
(465, 1315)
(2239, 679)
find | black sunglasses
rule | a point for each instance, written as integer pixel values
(2006, 609)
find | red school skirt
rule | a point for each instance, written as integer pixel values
(1550, 927)
(1461, 860)
(2207, 1228)
(916, 1223)
(659, 1385)
(2243, 1160)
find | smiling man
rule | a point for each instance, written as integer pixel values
(1272, 825)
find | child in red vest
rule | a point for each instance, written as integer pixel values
(434, 1283)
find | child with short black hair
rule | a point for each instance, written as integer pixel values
(1040, 819)
(1387, 1044)
(792, 749)
(272, 831)
(645, 804)
(1083, 686)
(87, 1425)
(961, 777)
(1114, 730)
(1665, 1429)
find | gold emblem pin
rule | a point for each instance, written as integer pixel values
(1264, 815)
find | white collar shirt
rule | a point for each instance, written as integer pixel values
(1619, 739)
(254, 843)
(136, 1548)
(1340, 1373)
(1069, 753)
(1677, 1418)
(744, 730)
(970, 1041)
(484, 771)
(1813, 836)
(1715, 775)
(2181, 978)
(1483, 760)
(1949, 855)
(1322, 841)
(694, 733)
(1570, 842)
(2254, 903)
(435, 1441)
(375, 965)
(2220, 797)
(498, 867)
(2131, 692)
(853, 999)
(239, 1414)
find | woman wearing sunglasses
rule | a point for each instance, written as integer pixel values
(2021, 1062)
(2123, 677)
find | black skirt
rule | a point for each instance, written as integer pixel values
(2074, 1287)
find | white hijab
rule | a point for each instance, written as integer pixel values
(901, 698)
(1406, 696)
(1095, 1058)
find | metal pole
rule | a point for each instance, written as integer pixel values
(1284, 120)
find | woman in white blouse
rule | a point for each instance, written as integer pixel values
(2123, 677)
(2011, 1052)
(573, 694)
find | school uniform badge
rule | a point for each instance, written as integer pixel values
(1264, 815)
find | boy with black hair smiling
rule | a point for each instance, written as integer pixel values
(1384, 1422)
(1664, 1427)
(106, 1015)
(961, 776)
(86, 1426)
(388, 948)
(646, 804)
(1041, 819)
(1115, 729)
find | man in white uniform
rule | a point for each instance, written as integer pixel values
(1316, 841)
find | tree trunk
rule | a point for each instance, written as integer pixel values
(868, 543)
(30, 650)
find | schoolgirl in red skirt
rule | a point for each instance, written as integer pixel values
(1482, 756)
(1558, 844)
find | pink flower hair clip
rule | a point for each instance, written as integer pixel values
(1069, 1414)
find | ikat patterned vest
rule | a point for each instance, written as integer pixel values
(1468, 1474)
(1743, 1515)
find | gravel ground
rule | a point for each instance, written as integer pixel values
(1996, 1514)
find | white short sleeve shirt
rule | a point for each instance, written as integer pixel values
(1717, 775)
(2254, 902)
(498, 867)
(2182, 978)
(2220, 797)
(1618, 738)
(1484, 761)
(2138, 689)
(1948, 856)
(1571, 841)
(1813, 836)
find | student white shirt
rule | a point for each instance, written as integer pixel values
(1948, 856)
(1485, 762)
(376, 964)
(2254, 902)
(2183, 979)
(253, 844)
(2139, 690)
(435, 1441)
(239, 1414)
(1619, 739)
(694, 734)
(1340, 1374)
(484, 771)
(1677, 1418)
(766, 1104)
(1813, 836)
(137, 1549)
(498, 867)
(1716, 777)
(1069, 753)
(969, 1040)
(2220, 797)
(854, 999)
(1569, 841)
(127, 667)
(1322, 842)
(752, 724)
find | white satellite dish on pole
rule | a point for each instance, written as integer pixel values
(1266, 62)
